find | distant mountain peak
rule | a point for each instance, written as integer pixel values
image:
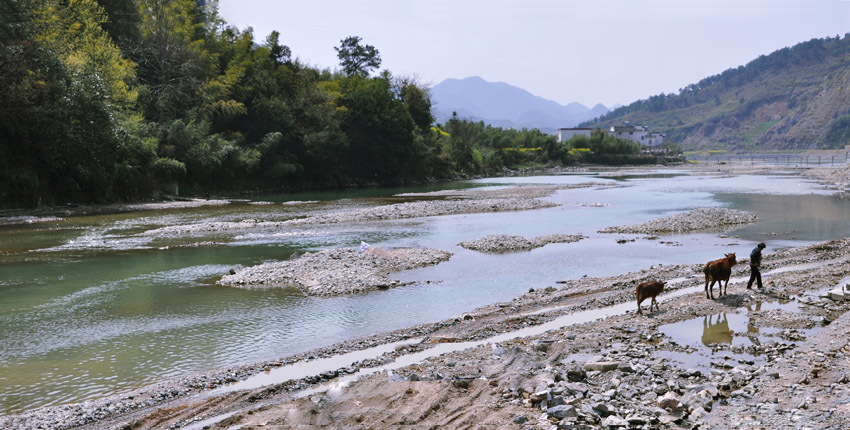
(505, 105)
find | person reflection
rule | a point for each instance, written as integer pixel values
(752, 328)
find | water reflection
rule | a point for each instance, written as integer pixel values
(715, 329)
(752, 328)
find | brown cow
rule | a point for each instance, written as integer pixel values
(648, 289)
(718, 271)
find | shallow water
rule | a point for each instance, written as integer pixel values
(732, 329)
(89, 307)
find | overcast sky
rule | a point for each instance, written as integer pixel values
(586, 51)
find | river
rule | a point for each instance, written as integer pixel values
(90, 306)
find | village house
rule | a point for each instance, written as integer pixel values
(640, 134)
(649, 141)
(565, 134)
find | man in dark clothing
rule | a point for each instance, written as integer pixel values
(755, 264)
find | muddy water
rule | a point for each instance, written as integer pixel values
(89, 306)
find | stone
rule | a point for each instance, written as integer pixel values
(637, 420)
(562, 411)
(557, 401)
(601, 366)
(603, 409)
(576, 388)
(697, 399)
(697, 414)
(669, 401)
(690, 372)
(627, 368)
(539, 396)
(667, 419)
(576, 374)
(614, 421)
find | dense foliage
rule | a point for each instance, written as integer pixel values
(117, 99)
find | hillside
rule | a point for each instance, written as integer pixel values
(794, 98)
(505, 106)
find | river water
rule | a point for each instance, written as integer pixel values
(90, 306)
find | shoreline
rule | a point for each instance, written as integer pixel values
(178, 391)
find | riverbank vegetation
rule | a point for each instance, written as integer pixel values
(118, 99)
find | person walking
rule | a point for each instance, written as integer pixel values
(755, 265)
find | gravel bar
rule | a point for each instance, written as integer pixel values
(695, 220)
(336, 272)
(507, 243)
(386, 212)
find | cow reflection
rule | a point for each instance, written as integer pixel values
(715, 329)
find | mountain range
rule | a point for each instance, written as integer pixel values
(794, 98)
(506, 106)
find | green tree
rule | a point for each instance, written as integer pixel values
(378, 126)
(417, 99)
(281, 54)
(172, 57)
(357, 59)
(73, 97)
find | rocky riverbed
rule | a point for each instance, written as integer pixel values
(837, 178)
(442, 203)
(335, 272)
(701, 219)
(498, 243)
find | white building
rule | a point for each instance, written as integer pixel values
(653, 141)
(565, 134)
(639, 134)
(635, 133)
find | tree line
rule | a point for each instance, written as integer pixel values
(116, 99)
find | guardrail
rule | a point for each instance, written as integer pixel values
(787, 160)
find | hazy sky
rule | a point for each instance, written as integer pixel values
(589, 51)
